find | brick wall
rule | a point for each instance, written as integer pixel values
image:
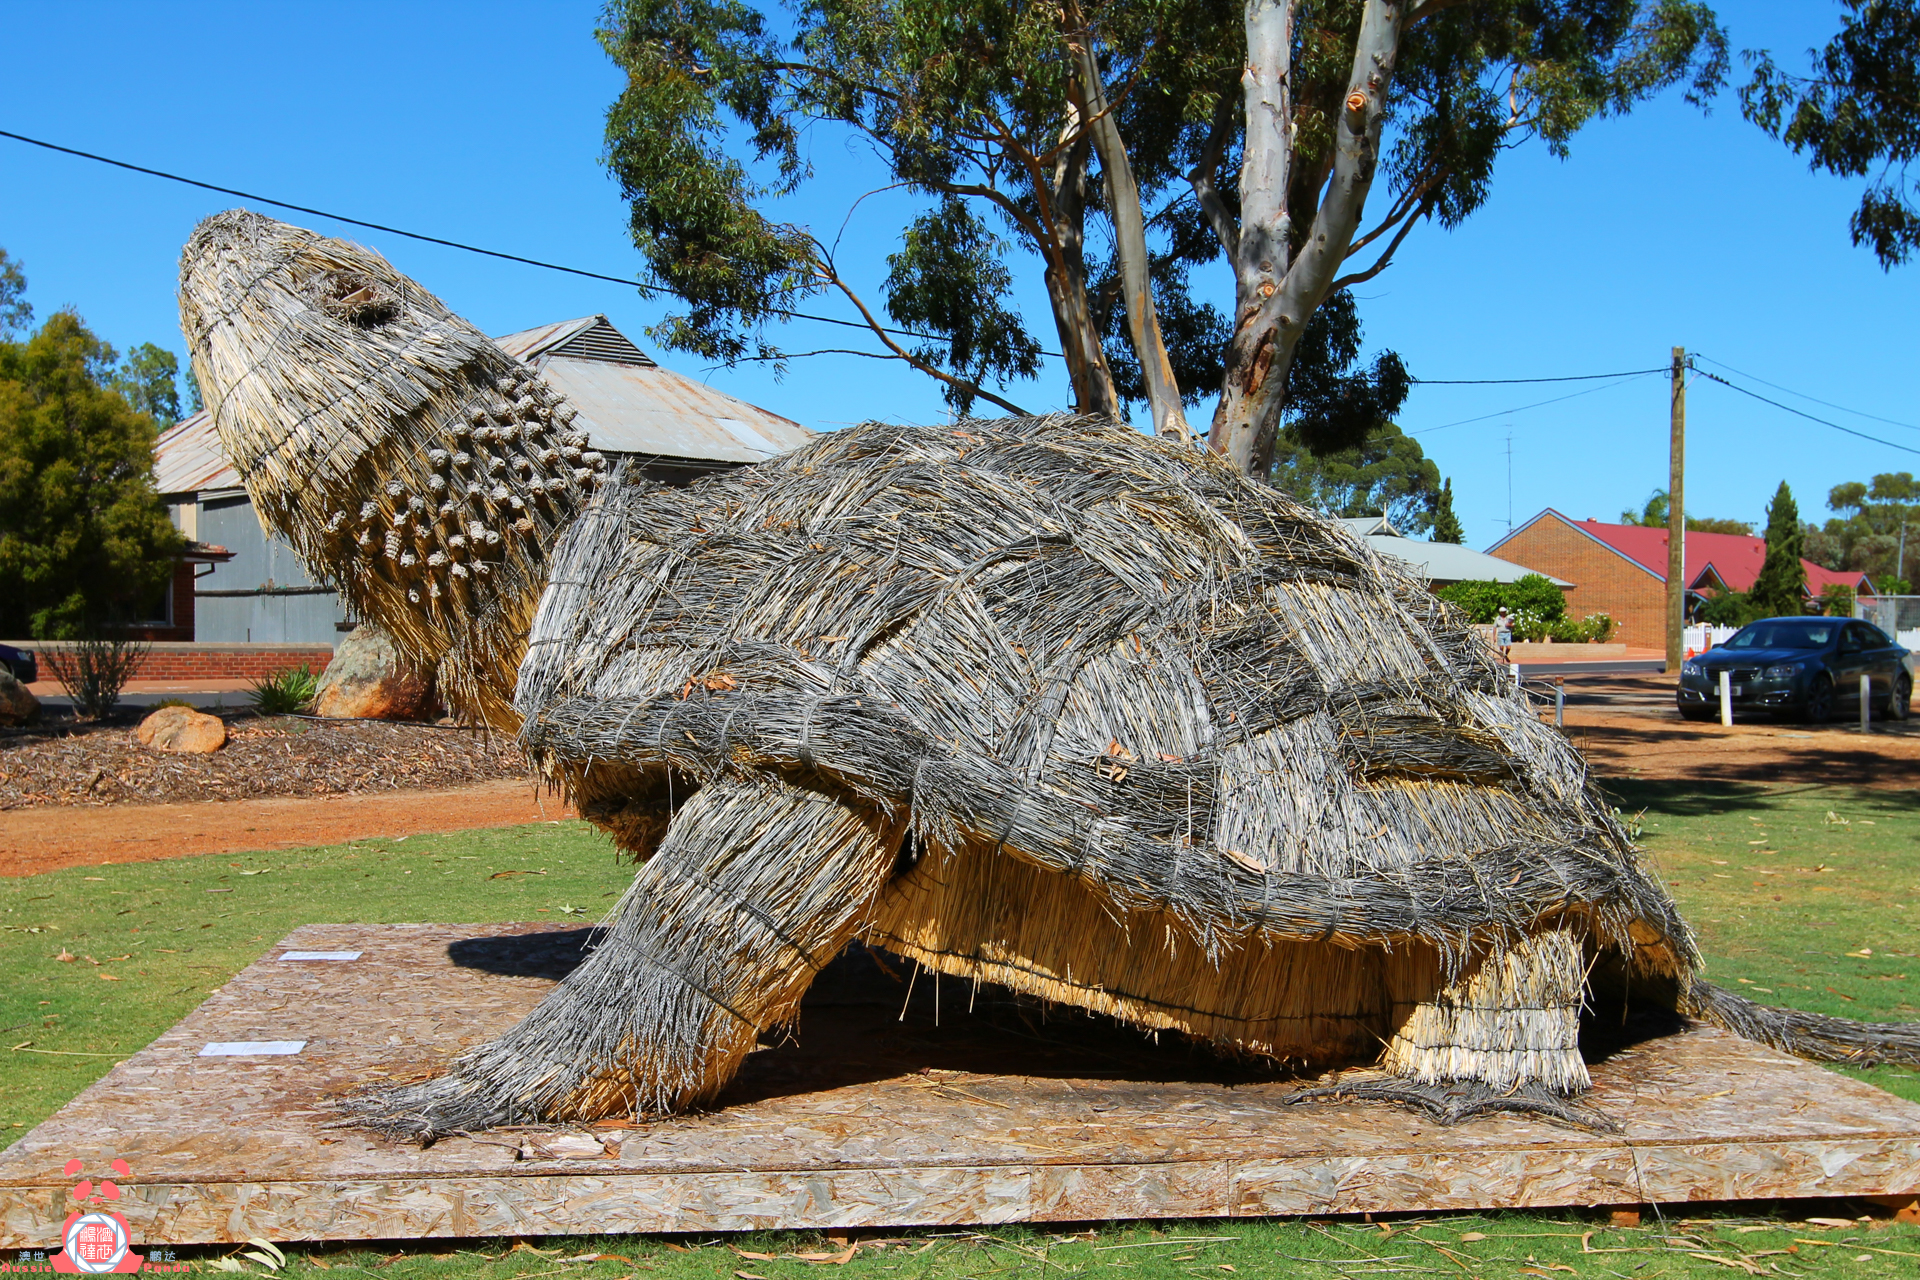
(1604, 580)
(188, 662)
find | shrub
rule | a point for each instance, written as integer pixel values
(288, 692)
(1836, 600)
(1730, 609)
(1532, 594)
(1592, 629)
(95, 669)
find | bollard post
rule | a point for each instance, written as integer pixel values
(1516, 677)
(1726, 697)
(1866, 701)
(1560, 705)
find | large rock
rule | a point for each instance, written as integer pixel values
(184, 730)
(17, 703)
(368, 680)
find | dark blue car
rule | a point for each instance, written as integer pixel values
(1807, 667)
(25, 667)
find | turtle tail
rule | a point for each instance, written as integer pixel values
(1806, 1035)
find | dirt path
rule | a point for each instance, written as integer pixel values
(48, 839)
(1628, 728)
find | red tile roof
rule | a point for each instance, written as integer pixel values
(1733, 558)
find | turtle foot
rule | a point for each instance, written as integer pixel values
(1461, 1100)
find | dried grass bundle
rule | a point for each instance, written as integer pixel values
(1039, 702)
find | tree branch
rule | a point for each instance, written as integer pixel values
(1414, 198)
(1421, 12)
(832, 275)
(1129, 230)
(1212, 207)
(1386, 257)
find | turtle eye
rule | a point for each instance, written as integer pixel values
(356, 298)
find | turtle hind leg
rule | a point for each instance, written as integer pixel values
(755, 887)
(1502, 1036)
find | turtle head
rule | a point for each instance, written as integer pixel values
(407, 458)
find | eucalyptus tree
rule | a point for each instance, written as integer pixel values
(1118, 148)
(1856, 114)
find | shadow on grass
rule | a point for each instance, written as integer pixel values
(1700, 797)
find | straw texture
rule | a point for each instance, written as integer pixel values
(1039, 702)
(400, 452)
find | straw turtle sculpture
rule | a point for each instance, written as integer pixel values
(1045, 703)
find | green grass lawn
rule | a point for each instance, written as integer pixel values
(1802, 897)
(1500, 1245)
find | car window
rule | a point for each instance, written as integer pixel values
(1872, 636)
(1784, 633)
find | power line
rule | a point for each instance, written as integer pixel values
(1892, 422)
(1803, 414)
(1521, 408)
(648, 289)
(1491, 382)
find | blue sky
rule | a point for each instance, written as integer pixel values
(482, 122)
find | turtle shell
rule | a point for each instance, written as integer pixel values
(1059, 643)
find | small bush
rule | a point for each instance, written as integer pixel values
(288, 692)
(1533, 594)
(1730, 609)
(95, 669)
(1595, 628)
(172, 702)
(1836, 600)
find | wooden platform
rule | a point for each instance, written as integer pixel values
(871, 1118)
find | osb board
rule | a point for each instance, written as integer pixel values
(890, 1108)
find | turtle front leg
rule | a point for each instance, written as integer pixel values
(755, 887)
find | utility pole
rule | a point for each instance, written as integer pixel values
(1677, 520)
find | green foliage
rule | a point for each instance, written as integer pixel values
(1856, 115)
(148, 378)
(1655, 515)
(1732, 609)
(1331, 405)
(1595, 628)
(1534, 595)
(1782, 584)
(83, 536)
(1869, 535)
(16, 313)
(949, 277)
(1446, 525)
(964, 103)
(1387, 475)
(1893, 586)
(285, 693)
(1836, 600)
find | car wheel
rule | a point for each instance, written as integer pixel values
(1820, 699)
(1900, 703)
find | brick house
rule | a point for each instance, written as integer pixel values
(1621, 569)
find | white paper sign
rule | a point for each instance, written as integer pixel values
(251, 1048)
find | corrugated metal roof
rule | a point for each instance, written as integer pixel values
(187, 458)
(627, 404)
(1446, 562)
(631, 409)
(1441, 562)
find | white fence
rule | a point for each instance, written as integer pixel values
(1704, 636)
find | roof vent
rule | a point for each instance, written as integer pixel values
(604, 343)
